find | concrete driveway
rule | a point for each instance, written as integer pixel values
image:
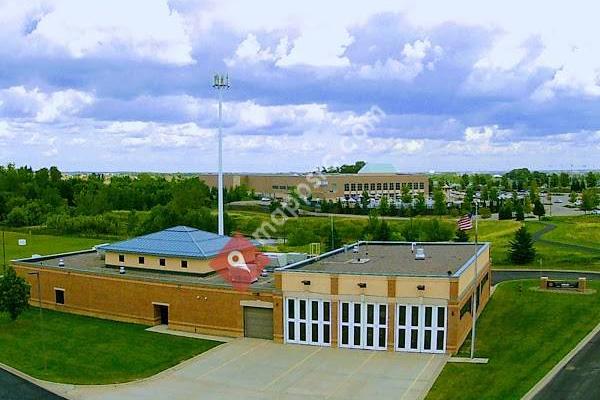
(260, 369)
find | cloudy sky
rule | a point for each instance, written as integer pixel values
(426, 85)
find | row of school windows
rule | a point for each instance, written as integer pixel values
(282, 187)
(383, 186)
(161, 261)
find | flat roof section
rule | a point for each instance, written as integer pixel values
(90, 262)
(394, 259)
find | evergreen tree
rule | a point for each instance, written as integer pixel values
(538, 209)
(384, 233)
(461, 236)
(519, 213)
(505, 211)
(439, 202)
(14, 293)
(521, 249)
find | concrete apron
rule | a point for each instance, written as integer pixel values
(260, 369)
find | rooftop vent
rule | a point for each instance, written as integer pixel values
(359, 261)
(420, 254)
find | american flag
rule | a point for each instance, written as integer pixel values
(465, 223)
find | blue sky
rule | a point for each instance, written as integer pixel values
(424, 85)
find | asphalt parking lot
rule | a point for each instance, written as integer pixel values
(13, 387)
(578, 379)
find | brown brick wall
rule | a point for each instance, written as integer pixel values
(191, 308)
(459, 329)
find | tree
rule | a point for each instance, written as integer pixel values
(383, 232)
(384, 206)
(365, 200)
(436, 231)
(589, 199)
(573, 197)
(439, 202)
(465, 181)
(591, 180)
(519, 213)
(420, 205)
(505, 211)
(406, 197)
(538, 209)
(521, 249)
(527, 207)
(372, 225)
(14, 293)
(461, 236)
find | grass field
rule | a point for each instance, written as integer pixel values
(83, 350)
(43, 244)
(584, 231)
(524, 333)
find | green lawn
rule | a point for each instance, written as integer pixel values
(583, 230)
(83, 350)
(524, 333)
(43, 244)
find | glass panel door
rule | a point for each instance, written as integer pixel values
(307, 321)
(363, 325)
(421, 328)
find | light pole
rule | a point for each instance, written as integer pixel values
(39, 287)
(220, 82)
(475, 284)
(3, 253)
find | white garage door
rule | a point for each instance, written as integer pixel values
(421, 328)
(363, 325)
(307, 321)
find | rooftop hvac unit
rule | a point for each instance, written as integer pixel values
(420, 254)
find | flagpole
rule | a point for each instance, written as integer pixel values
(474, 298)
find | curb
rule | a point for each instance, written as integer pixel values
(576, 271)
(558, 367)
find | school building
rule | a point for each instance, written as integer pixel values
(393, 296)
(377, 180)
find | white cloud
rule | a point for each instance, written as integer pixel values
(142, 29)
(416, 57)
(250, 51)
(42, 106)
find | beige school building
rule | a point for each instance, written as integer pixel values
(326, 187)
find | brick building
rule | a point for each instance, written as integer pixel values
(391, 296)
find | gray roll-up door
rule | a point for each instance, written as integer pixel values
(258, 322)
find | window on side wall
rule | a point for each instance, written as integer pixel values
(141, 260)
(466, 308)
(162, 262)
(121, 258)
(184, 264)
(59, 296)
